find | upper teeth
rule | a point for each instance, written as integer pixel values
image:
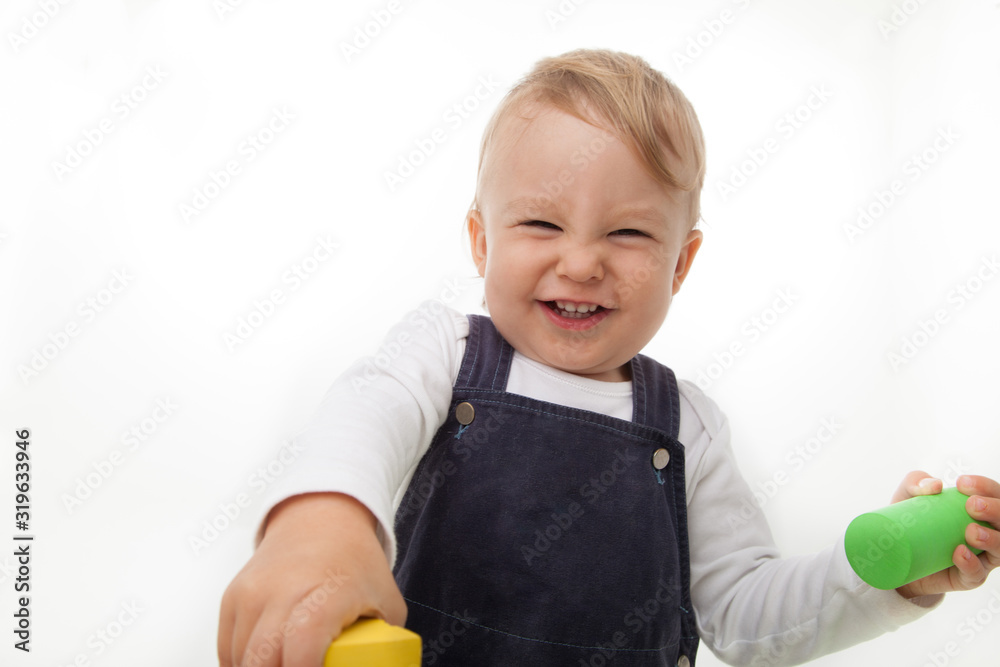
(571, 307)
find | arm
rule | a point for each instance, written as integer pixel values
(754, 607)
(379, 417)
(325, 550)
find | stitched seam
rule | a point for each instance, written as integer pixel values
(562, 416)
(473, 336)
(503, 362)
(496, 369)
(542, 641)
(683, 537)
(639, 387)
(675, 403)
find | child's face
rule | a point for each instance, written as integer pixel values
(569, 215)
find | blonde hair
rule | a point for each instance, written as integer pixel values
(644, 109)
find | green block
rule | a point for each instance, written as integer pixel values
(908, 540)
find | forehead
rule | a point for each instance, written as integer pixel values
(534, 127)
(547, 159)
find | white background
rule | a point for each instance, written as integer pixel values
(162, 336)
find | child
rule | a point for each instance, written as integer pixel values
(562, 499)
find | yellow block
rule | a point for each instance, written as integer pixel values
(371, 642)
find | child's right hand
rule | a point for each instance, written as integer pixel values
(318, 568)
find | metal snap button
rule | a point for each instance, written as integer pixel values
(465, 413)
(661, 458)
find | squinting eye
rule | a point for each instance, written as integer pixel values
(629, 232)
(539, 223)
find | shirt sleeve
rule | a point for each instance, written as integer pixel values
(752, 606)
(378, 418)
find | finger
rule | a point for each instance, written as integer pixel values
(975, 485)
(245, 617)
(394, 609)
(917, 483)
(237, 618)
(315, 622)
(970, 572)
(266, 642)
(986, 539)
(320, 617)
(224, 641)
(983, 508)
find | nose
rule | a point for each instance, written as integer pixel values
(581, 262)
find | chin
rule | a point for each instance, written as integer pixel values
(614, 371)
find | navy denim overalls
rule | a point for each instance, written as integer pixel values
(538, 534)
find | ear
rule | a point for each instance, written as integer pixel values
(477, 238)
(686, 257)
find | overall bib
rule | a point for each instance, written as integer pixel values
(538, 534)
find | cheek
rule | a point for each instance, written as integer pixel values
(509, 262)
(497, 279)
(645, 277)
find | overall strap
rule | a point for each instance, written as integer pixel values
(488, 356)
(655, 398)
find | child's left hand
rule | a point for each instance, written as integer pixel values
(969, 571)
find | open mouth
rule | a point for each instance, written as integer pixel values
(574, 311)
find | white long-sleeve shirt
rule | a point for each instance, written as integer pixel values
(752, 606)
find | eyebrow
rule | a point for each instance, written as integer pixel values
(632, 212)
(528, 205)
(523, 205)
